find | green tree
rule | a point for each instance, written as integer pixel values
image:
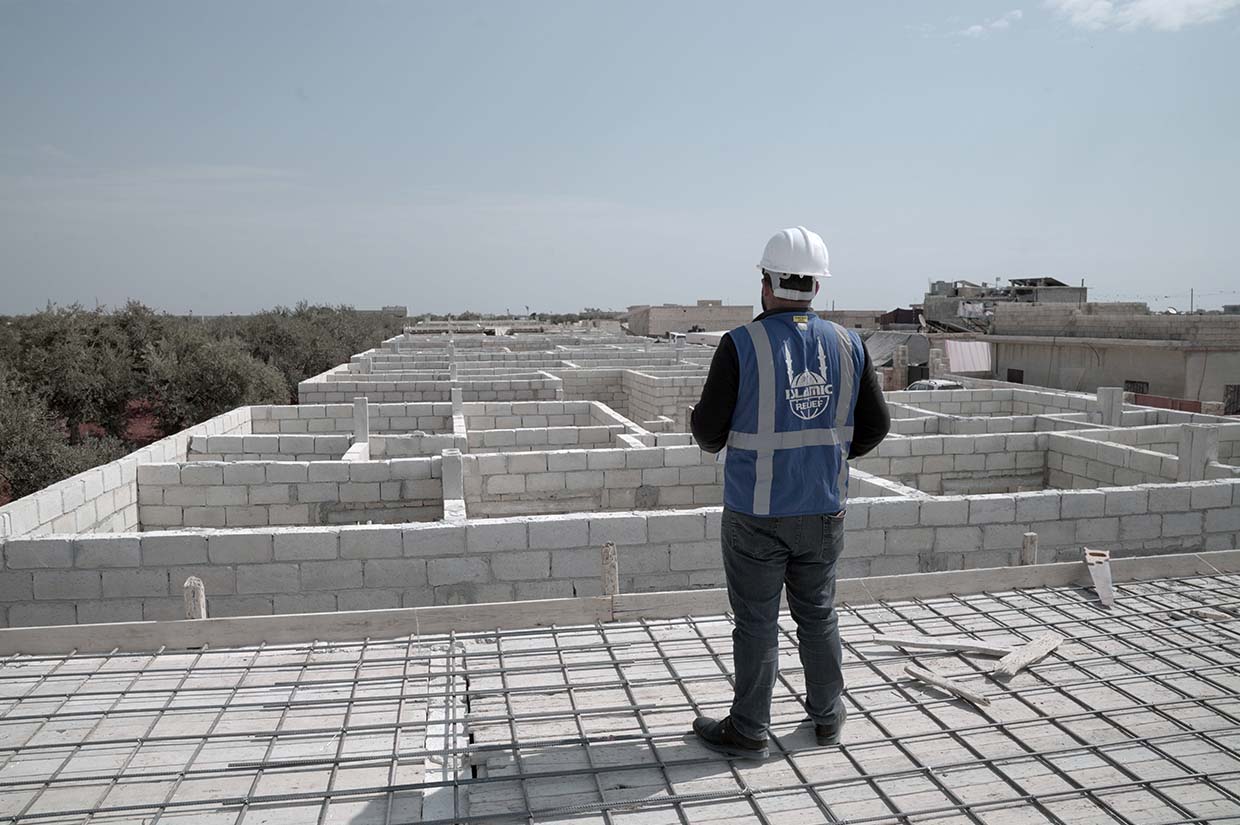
(193, 377)
(77, 360)
(33, 452)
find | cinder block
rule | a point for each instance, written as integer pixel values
(699, 555)
(371, 543)
(1003, 536)
(241, 473)
(494, 535)
(222, 606)
(201, 517)
(288, 472)
(1097, 529)
(676, 527)
(202, 473)
(686, 456)
(957, 539)
(159, 475)
(519, 566)
(941, 511)
(1205, 495)
(555, 532)
(522, 463)
(34, 554)
(269, 494)
(1183, 524)
(16, 586)
(454, 571)
(66, 584)
(328, 471)
(1037, 506)
(337, 575)
(293, 603)
(156, 515)
(584, 480)
(268, 578)
(367, 599)
(574, 564)
(33, 614)
(110, 610)
(1140, 527)
(239, 547)
(1082, 504)
(1219, 521)
(166, 549)
(1169, 498)
(302, 545)
(107, 551)
(893, 512)
(909, 540)
(434, 540)
(1126, 501)
(504, 485)
(619, 528)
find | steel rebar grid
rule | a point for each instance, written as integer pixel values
(1217, 737)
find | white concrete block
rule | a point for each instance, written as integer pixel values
(893, 512)
(495, 535)
(38, 553)
(245, 472)
(66, 584)
(521, 566)
(299, 545)
(555, 532)
(163, 549)
(107, 551)
(1082, 504)
(456, 571)
(991, 509)
(619, 528)
(202, 473)
(433, 540)
(159, 474)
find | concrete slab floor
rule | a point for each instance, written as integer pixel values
(1133, 719)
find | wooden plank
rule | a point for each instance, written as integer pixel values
(670, 604)
(950, 685)
(942, 643)
(1038, 648)
(355, 625)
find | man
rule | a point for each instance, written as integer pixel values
(792, 397)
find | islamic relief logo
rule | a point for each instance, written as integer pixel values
(808, 393)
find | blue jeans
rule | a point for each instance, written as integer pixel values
(761, 556)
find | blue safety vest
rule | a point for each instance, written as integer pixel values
(793, 422)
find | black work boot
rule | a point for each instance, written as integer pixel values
(829, 734)
(719, 736)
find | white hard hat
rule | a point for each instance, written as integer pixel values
(795, 251)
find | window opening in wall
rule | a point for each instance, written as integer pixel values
(1137, 386)
(1015, 376)
(1231, 399)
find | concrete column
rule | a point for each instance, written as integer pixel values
(366, 364)
(680, 349)
(1198, 447)
(611, 570)
(938, 366)
(899, 368)
(361, 420)
(453, 475)
(458, 403)
(1029, 549)
(195, 598)
(1110, 401)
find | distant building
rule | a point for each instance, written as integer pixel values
(705, 316)
(966, 306)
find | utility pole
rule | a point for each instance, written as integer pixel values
(1191, 297)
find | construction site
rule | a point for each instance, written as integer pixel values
(477, 578)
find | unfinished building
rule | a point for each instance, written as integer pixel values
(427, 527)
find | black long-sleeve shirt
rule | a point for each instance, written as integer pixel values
(712, 417)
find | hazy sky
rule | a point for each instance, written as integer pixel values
(225, 156)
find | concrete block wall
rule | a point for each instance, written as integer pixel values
(1068, 321)
(259, 493)
(563, 481)
(651, 396)
(1082, 463)
(323, 419)
(105, 499)
(961, 464)
(131, 576)
(319, 390)
(240, 447)
(542, 438)
(414, 445)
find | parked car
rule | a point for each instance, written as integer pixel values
(935, 384)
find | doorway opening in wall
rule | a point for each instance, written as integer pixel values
(1015, 376)
(1142, 387)
(1231, 399)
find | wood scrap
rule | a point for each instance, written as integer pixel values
(1098, 562)
(950, 685)
(1210, 613)
(1022, 657)
(953, 644)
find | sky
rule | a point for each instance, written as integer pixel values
(229, 156)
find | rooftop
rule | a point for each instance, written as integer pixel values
(1131, 720)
